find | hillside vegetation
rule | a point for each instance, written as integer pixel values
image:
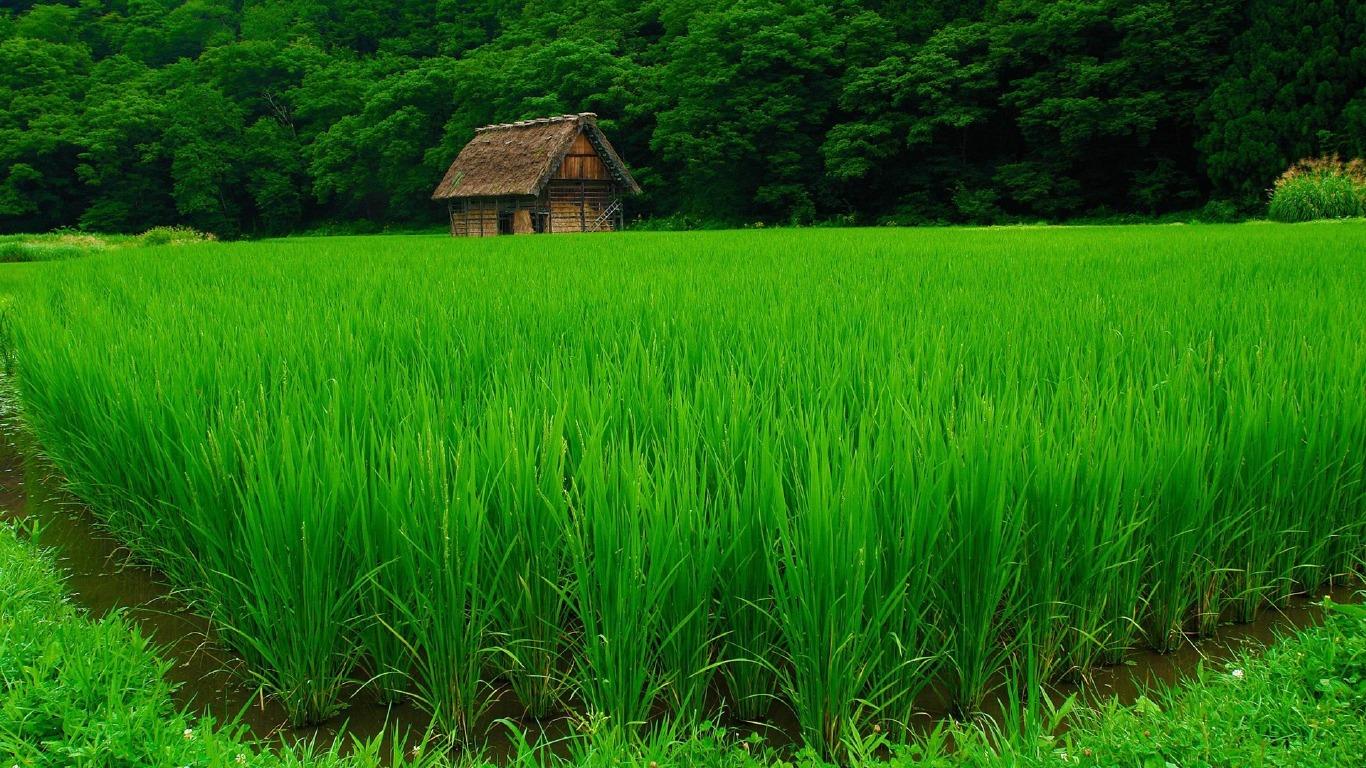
(266, 116)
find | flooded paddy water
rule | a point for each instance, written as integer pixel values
(101, 577)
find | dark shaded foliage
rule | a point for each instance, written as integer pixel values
(261, 116)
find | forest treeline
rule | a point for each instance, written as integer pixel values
(267, 116)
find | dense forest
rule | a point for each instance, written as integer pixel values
(247, 117)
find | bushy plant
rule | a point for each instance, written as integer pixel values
(976, 205)
(175, 236)
(11, 253)
(50, 250)
(1218, 212)
(1320, 188)
(678, 222)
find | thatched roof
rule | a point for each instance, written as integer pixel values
(519, 158)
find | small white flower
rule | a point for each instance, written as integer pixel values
(241, 759)
(189, 734)
(1238, 673)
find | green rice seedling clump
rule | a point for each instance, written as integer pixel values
(657, 475)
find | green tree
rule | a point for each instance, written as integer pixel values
(204, 142)
(269, 115)
(746, 92)
(41, 82)
(1295, 87)
(373, 163)
(123, 166)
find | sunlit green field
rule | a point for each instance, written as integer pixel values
(646, 475)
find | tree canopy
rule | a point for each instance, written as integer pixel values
(267, 116)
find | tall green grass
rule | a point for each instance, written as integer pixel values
(529, 517)
(658, 475)
(1319, 188)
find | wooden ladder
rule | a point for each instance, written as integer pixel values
(604, 217)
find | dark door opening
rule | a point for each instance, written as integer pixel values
(505, 222)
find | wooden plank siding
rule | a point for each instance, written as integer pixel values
(576, 204)
(478, 217)
(474, 218)
(582, 162)
(566, 205)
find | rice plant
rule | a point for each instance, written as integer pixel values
(684, 548)
(651, 477)
(988, 515)
(909, 509)
(747, 517)
(529, 519)
(831, 610)
(448, 606)
(616, 596)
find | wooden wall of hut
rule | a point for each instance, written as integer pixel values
(580, 197)
(582, 162)
(474, 218)
(486, 216)
(578, 205)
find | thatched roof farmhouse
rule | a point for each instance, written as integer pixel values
(553, 174)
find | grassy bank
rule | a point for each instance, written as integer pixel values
(57, 246)
(78, 692)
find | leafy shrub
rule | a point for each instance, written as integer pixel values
(346, 228)
(976, 205)
(1320, 188)
(158, 236)
(77, 238)
(55, 251)
(70, 244)
(1339, 670)
(850, 219)
(1218, 212)
(678, 222)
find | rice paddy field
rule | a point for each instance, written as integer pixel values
(646, 477)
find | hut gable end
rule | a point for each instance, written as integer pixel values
(518, 159)
(582, 161)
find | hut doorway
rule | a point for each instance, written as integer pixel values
(505, 222)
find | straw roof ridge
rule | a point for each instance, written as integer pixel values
(519, 158)
(538, 121)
